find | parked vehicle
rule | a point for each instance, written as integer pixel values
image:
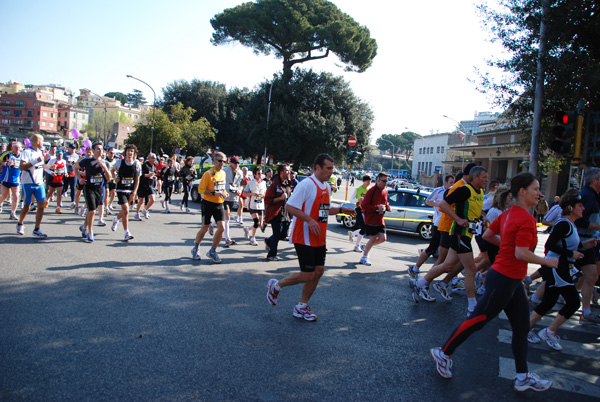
(409, 213)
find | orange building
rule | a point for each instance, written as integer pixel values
(28, 111)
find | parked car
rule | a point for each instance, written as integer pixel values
(409, 213)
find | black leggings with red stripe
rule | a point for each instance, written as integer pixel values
(501, 293)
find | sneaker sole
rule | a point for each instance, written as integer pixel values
(271, 301)
(297, 315)
(433, 357)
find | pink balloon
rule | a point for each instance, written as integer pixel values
(75, 133)
(87, 143)
(27, 142)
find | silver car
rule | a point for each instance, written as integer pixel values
(409, 213)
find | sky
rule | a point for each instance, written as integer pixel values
(427, 53)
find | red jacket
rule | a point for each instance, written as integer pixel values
(275, 190)
(375, 196)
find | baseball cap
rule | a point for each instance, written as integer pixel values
(366, 177)
(72, 146)
(234, 159)
(469, 167)
(59, 151)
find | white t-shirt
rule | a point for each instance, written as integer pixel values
(437, 196)
(35, 174)
(256, 202)
(305, 193)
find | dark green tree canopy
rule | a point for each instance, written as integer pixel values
(296, 31)
(403, 143)
(121, 97)
(136, 98)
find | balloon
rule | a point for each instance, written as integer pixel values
(75, 133)
(87, 144)
(82, 151)
(27, 142)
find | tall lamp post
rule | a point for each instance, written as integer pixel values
(381, 139)
(464, 138)
(268, 116)
(153, 109)
(104, 102)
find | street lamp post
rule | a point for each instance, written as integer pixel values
(153, 109)
(268, 116)
(381, 139)
(464, 138)
(104, 102)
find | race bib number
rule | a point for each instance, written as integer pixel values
(220, 186)
(323, 212)
(96, 180)
(171, 178)
(127, 181)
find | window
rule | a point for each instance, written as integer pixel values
(18, 113)
(442, 149)
(51, 114)
(45, 114)
(58, 114)
(5, 112)
(8, 102)
(20, 103)
(5, 121)
(43, 124)
(18, 122)
(51, 124)
(29, 113)
(34, 103)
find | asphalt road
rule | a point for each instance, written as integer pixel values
(142, 321)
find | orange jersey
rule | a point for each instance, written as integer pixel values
(446, 220)
(313, 200)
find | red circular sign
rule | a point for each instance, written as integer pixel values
(352, 141)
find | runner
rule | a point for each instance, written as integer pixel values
(563, 243)
(56, 179)
(233, 187)
(360, 219)
(433, 200)
(81, 210)
(468, 203)
(32, 177)
(96, 172)
(168, 174)
(145, 190)
(504, 290)
(10, 178)
(212, 188)
(159, 179)
(112, 186)
(127, 174)
(242, 201)
(309, 204)
(188, 175)
(374, 205)
(275, 198)
(255, 190)
(71, 158)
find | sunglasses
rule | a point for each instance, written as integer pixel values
(219, 160)
(383, 181)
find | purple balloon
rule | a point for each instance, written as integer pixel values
(82, 151)
(87, 144)
(27, 142)
(75, 133)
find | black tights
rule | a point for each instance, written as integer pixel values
(501, 293)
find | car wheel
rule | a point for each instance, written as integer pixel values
(424, 231)
(194, 194)
(349, 222)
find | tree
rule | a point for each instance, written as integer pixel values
(121, 97)
(403, 143)
(136, 98)
(311, 114)
(98, 130)
(571, 64)
(173, 130)
(296, 31)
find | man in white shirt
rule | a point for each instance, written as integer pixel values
(32, 177)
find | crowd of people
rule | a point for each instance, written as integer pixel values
(499, 221)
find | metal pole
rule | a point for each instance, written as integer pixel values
(268, 116)
(539, 94)
(153, 109)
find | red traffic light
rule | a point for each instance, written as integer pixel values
(563, 117)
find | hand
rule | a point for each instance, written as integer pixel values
(314, 227)
(551, 262)
(348, 211)
(462, 222)
(577, 255)
(590, 243)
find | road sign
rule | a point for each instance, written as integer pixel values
(352, 141)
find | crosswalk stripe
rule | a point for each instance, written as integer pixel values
(584, 350)
(562, 379)
(572, 323)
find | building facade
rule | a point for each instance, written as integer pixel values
(28, 111)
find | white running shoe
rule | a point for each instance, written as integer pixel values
(146, 214)
(272, 292)
(20, 229)
(350, 236)
(534, 382)
(188, 210)
(364, 260)
(532, 337)
(214, 256)
(442, 290)
(551, 340)
(115, 223)
(211, 229)
(358, 249)
(304, 312)
(137, 217)
(163, 203)
(167, 210)
(39, 234)
(443, 363)
(128, 236)
(247, 232)
(195, 254)
(253, 242)
(101, 222)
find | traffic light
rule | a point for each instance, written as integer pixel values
(352, 157)
(562, 132)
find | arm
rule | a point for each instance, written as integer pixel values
(526, 255)
(491, 237)
(447, 209)
(313, 226)
(554, 244)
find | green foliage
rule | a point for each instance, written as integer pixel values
(296, 31)
(403, 143)
(121, 97)
(136, 98)
(571, 64)
(311, 114)
(174, 130)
